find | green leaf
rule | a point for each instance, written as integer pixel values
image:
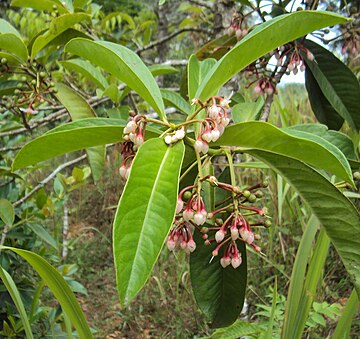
(8, 87)
(12, 43)
(43, 5)
(340, 140)
(335, 212)
(264, 136)
(176, 100)
(145, 213)
(269, 332)
(11, 59)
(7, 213)
(59, 287)
(15, 296)
(321, 107)
(57, 26)
(122, 63)
(216, 48)
(80, 109)
(72, 137)
(337, 82)
(197, 71)
(238, 329)
(5, 27)
(263, 39)
(219, 292)
(86, 69)
(161, 69)
(246, 111)
(298, 275)
(343, 326)
(43, 234)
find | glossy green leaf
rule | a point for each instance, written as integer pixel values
(7, 213)
(43, 5)
(57, 26)
(340, 140)
(263, 39)
(321, 107)
(298, 274)
(239, 329)
(343, 326)
(145, 213)
(86, 69)
(60, 289)
(11, 59)
(8, 87)
(247, 111)
(161, 69)
(12, 43)
(80, 109)
(219, 292)
(176, 100)
(197, 71)
(337, 82)
(264, 136)
(15, 296)
(43, 234)
(335, 212)
(6, 27)
(73, 137)
(122, 63)
(76, 105)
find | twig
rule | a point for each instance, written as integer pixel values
(202, 4)
(13, 148)
(269, 99)
(48, 179)
(169, 37)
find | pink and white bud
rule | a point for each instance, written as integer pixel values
(239, 34)
(132, 137)
(188, 214)
(127, 173)
(310, 56)
(191, 245)
(122, 171)
(302, 67)
(139, 140)
(215, 134)
(258, 89)
(295, 71)
(207, 135)
(213, 111)
(236, 261)
(269, 90)
(291, 66)
(225, 261)
(234, 232)
(244, 232)
(250, 238)
(199, 218)
(170, 244)
(245, 32)
(180, 205)
(220, 235)
(183, 244)
(231, 31)
(130, 127)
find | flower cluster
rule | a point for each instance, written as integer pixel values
(173, 137)
(213, 126)
(134, 131)
(127, 153)
(238, 27)
(296, 60)
(265, 86)
(240, 218)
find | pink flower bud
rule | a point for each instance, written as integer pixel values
(170, 244)
(231, 31)
(132, 136)
(257, 89)
(239, 34)
(127, 173)
(188, 214)
(207, 136)
(130, 127)
(191, 245)
(234, 232)
(139, 140)
(220, 235)
(244, 233)
(213, 111)
(310, 56)
(236, 261)
(180, 205)
(250, 238)
(199, 218)
(225, 261)
(183, 244)
(215, 134)
(122, 171)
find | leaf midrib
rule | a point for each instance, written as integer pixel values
(153, 191)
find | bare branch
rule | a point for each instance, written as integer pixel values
(202, 4)
(169, 37)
